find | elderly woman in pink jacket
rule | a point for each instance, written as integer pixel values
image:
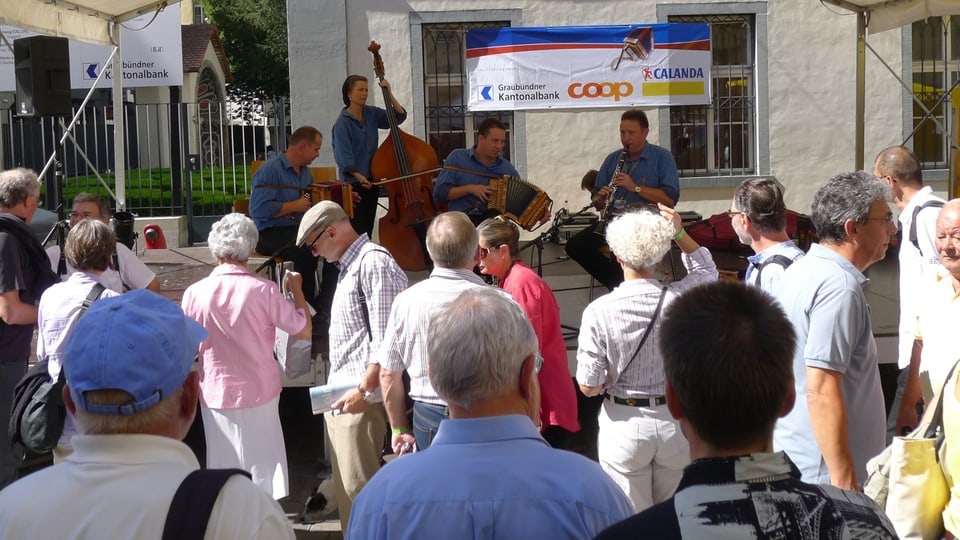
(239, 378)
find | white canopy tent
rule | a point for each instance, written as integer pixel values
(878, 16)
(93, 21)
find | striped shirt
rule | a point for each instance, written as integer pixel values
(613, 325)
(367, 265)
(405, 341)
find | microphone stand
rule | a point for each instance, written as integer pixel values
(274, 257)
(561, 218)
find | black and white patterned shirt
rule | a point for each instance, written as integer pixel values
(351, 346)
(755, 496)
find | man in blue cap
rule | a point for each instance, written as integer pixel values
(133, 393)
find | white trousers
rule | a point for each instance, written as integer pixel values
(643, 451)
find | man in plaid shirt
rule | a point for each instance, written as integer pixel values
(369, 281)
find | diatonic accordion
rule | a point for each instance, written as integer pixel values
(519, 200)
(341, 194)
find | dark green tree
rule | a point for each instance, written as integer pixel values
(254, 36)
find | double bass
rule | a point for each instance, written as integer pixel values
(403, 230)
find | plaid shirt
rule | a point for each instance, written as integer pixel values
(351, 345)
(613, 325)
(405, 344)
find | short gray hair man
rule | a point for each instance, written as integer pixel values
(16, 185)
(477, 345)
(838, 422)
(483, 361)
(452, 242)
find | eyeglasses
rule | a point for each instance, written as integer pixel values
(537, 362)
(732, 213)
(311, 244)
(486, 251)
(886, 219)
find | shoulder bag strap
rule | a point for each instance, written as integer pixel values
(92, 297)
(362, 296)
(932, 423)
(193, 502)
(646, 333)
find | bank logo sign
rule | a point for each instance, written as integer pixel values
(151, 47)
(588, 66)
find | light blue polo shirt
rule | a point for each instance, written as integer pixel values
(822, 295)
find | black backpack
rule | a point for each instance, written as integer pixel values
(913, 224)
(779, 260)
(38, 412)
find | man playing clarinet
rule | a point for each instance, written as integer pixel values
(646, 175)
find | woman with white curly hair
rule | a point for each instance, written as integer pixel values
(239, 378)
(640, 445)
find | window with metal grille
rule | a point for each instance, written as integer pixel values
(935, 65)
(719, 139)
(449, 124)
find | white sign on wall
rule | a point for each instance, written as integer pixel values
(571, 67)
(151, 47)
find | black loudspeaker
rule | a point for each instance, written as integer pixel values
(42, 66)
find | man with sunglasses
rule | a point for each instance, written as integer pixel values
(759, 217)
(368, 283)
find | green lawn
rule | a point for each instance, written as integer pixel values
(148, 191)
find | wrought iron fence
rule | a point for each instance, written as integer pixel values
(180, 159)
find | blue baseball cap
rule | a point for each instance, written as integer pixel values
(138, 342)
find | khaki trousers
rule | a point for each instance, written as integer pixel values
(357, 441)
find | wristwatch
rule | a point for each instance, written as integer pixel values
(367, 396)
(638, 189)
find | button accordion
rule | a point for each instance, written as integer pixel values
(341, 194)
(519, 200)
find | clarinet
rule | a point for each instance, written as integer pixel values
(602, 223)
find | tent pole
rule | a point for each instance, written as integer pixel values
(861, 77)
(118, 122)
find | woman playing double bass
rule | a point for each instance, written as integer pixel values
(355, 137)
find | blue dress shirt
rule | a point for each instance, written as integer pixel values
(655, 167)
(354, 143)
(466, 159)
(487, 478)
(265, 202)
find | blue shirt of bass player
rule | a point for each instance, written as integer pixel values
(266, 201)
(355, 143)
(655, 167)
(466, 158)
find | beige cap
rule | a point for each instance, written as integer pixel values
(319, 216)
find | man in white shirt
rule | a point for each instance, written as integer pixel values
(900, 168)
(127, 272)
(452, 243)
(133, 394)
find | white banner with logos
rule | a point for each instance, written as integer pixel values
(152, 54)
(588, 66)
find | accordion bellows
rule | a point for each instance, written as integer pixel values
(519, 200)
